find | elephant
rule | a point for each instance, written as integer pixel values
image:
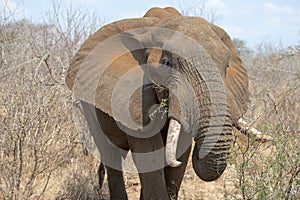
(153, 85)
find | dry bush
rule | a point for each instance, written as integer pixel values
(198, 8)
(271, 170)
(38, 140)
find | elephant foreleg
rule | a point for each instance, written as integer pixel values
(116, 184)
(148, 155)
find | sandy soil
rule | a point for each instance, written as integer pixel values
(192, 187)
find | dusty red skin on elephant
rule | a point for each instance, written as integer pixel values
(222, 51)
(162, 13)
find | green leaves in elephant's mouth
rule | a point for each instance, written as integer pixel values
(163, 102)
(162, 108)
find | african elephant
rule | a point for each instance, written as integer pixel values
(152, 84)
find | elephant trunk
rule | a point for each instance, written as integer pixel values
(202, 109)
(211, 150)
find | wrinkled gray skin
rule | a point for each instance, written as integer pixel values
(206, 115)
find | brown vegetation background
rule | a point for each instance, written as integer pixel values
(41, 155)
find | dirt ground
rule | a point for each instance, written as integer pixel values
(192, 187)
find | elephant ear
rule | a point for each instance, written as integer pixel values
(100, 63)
(236, 78)
(101, 35)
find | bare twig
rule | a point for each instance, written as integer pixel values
(44, 58)
(291, 182)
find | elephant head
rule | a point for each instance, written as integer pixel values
(192, 66)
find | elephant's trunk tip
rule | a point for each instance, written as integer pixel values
(172, 141)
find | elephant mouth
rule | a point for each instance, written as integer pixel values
(174, 127)
(176, 98)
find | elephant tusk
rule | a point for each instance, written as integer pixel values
(172, 142)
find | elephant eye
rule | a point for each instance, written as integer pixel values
(165, 60)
